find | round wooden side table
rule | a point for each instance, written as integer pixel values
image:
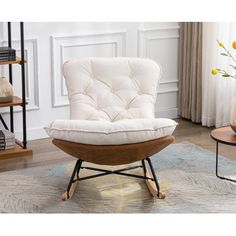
(226, 136)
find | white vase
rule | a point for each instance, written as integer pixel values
(6, 90)
(233, 115)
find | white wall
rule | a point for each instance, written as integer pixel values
(48, 45)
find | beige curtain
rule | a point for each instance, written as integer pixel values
(190, 71)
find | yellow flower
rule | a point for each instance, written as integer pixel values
(214, 71)
(234, 45)
(221, 44)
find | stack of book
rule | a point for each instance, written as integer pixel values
(7, 54)
(7, 140)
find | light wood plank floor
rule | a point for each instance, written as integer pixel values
(46, 153)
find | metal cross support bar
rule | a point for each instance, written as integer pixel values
(124, 169)
(3, 122)
(78, 167)
(117, 172)
(92, 176)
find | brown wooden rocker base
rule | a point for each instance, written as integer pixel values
(114, 155)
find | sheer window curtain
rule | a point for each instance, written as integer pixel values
(218, 93)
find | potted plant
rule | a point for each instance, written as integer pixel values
(225, 74)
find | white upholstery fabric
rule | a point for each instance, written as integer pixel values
(111, 88)
(111, 102)
(110, 133)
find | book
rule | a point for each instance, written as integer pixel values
(4, 54)
(7, 139)
(7, 54)
(7, 134)
(10, 58)
(7, 50)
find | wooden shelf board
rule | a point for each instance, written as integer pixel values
(17, 61)
(18, 151)
(17, 101)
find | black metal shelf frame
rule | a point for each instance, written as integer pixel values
(22, 64)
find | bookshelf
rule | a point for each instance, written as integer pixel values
(17, 101)
(21, 146)
(17, 61)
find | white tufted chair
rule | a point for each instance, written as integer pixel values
(112, 119)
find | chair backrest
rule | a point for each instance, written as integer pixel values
(111, 88)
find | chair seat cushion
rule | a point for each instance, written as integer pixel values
(100, 132)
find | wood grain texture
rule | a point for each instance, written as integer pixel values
(64, 196)
(17, 61)
(224, 135)
(152, 187)
(15, 152)
(17, 101)
(113, 154)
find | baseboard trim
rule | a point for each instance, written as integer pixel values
(168, 113)
(33, 133)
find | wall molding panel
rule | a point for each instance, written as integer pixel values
(147, 35)
(114, 43)
(149, 41)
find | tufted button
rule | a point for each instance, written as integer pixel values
(97, 107)
(139, 93)
(112, 90)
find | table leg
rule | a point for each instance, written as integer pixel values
(217, 158)
(217, 163)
